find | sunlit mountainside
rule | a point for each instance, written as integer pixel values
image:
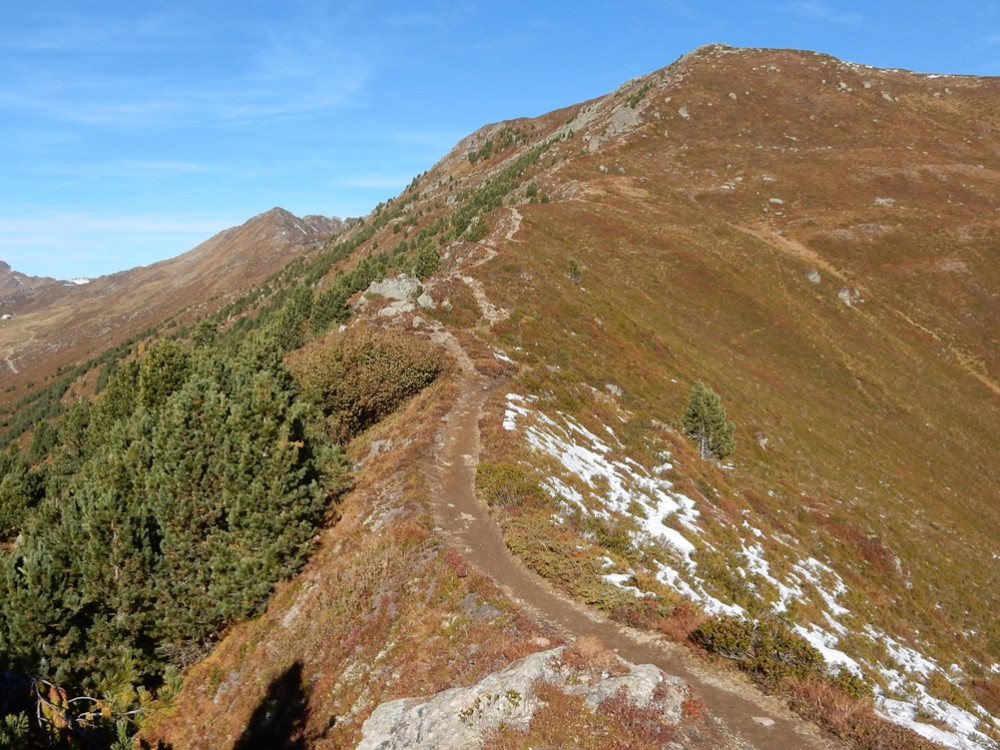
(812, 240)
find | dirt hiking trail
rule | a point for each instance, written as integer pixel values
(739, 713)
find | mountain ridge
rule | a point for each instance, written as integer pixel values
(760, 219)
(812, 238)
(55, 323)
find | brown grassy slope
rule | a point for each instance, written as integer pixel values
(58, 324)
(884, 411)
(879, 416)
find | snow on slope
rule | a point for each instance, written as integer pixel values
(597, 480)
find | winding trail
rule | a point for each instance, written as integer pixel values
(748, 719)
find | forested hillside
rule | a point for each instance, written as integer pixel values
(145, 520)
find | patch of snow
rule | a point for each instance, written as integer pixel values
(621, 580)
(961, 733)
(824, 643)
(909, 659)
(814, 572)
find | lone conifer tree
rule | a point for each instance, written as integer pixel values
(705, 420)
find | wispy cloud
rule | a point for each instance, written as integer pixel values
(821, 11)
(271, 91)
(128, 170)
(67, 29)
(142, 71)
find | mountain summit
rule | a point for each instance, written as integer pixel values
(55, 323)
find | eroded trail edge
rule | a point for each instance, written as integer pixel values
(740, 712)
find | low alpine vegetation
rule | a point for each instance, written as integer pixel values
(363, 374)
(768, 649)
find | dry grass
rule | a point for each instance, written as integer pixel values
(863, 459)
(849, 718)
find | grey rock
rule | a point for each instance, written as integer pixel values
(405, 293)
(403, 288)
(850, 296)
(457, 718)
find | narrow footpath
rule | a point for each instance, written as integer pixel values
(747, 718)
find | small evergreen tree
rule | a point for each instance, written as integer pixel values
(426, 261)
(706, 422)
(574, 271)
(330, 306)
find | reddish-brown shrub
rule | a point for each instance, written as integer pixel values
(987, 694)
(684, 620)
(643, 722)
(588, 652)
(456, 562)
(852, 719)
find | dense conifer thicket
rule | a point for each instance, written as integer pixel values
(138, 528)
(165, 510)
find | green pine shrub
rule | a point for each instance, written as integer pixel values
(767, 648)
(706, 422)
(362, 375)
(195, 478)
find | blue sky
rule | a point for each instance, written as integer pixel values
(130, 131)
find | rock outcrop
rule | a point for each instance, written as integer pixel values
(405, 292)
(458, 719)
